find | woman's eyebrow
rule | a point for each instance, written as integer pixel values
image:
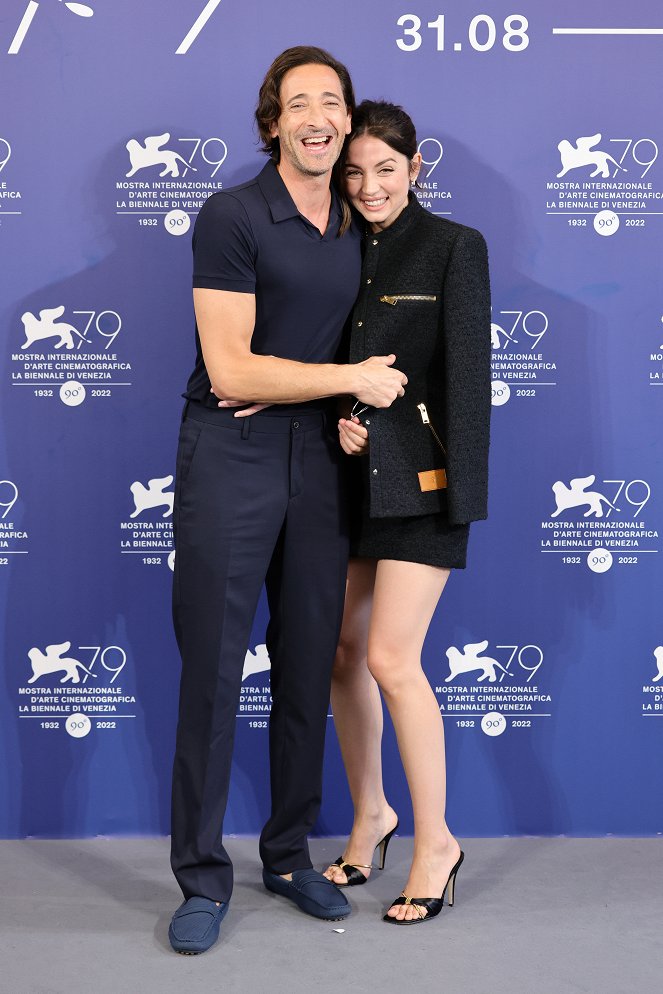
(377, 164)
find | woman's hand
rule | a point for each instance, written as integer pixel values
(353, 436)
(246, 411)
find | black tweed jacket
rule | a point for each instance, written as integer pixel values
(425, 296)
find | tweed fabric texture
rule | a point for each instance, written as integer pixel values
(419, 538)
(425, 296)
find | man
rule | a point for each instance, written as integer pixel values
(259, 498)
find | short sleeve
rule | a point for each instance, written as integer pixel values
(224, 248)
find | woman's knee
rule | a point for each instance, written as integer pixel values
(350, 656)
(391, 670)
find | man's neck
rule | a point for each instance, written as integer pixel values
(310, 194)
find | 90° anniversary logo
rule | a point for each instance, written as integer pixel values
(483, 686)
(605, 183)
(521, 363)
(148, 531)
(71, 354)
(599, 524)
(168, 179)
(75, 688)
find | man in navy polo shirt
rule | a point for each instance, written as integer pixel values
(258, 499)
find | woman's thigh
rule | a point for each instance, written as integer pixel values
(405, 596)
(353, 642)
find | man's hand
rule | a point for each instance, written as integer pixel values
(353, 436)
(378, 384)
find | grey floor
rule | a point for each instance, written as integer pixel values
(532, 916)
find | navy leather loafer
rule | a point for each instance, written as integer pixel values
(311, 892)
(195, 925)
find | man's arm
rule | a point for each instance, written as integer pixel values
(226, 320)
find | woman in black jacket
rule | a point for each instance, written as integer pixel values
(420, 481)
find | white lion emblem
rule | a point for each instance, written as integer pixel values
(152, 495)
(257, 662)
(53, 660)
(152, 154)
(584, 154)
(658, 656)
(470, 659)
(46, 326)
(576, 496)
(495, 330)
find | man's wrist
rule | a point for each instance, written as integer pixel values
(347, 380)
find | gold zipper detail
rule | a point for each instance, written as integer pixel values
(426, 420)
(394, 298)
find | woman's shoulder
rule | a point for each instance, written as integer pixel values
(444, 229)
(439, 241)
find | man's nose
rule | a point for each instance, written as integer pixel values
(316, 117)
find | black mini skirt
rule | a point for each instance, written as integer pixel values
(423, 538)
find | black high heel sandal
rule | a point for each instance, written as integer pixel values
(427, 907)
(352, 871)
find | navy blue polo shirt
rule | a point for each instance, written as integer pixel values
(252, 239)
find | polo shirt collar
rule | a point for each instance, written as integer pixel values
(280, 203)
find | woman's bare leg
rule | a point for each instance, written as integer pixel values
(404, 599)
(357, 708)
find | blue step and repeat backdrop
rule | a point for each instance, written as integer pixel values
(117, 120)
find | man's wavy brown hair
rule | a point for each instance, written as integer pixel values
(269, 107)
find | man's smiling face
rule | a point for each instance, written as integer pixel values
(314, 119)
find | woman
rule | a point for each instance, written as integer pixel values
(421, 480)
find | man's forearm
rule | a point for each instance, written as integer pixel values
(269, 380)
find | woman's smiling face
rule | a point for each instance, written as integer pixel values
(377, 179)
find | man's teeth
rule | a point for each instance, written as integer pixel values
(316, 141)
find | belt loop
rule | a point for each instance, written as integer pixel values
(246, 427)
